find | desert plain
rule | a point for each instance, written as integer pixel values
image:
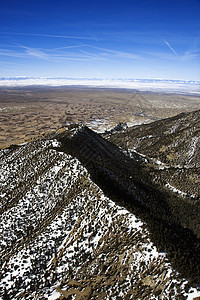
(29, 113)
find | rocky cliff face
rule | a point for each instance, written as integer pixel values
(81, 219)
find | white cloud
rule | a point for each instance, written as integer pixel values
(173, 86)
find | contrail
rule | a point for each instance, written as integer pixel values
(50, 35)
(170, 47)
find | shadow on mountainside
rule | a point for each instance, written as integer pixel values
(171, 220)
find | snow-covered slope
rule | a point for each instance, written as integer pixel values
(61, 236)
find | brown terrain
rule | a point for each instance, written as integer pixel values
(85, 215)
(32, 112)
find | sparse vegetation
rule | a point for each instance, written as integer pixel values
(82, 218)
(63, 237)
(32, 112)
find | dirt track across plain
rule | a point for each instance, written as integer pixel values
(32, 112)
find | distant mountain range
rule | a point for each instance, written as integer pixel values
(154, 85)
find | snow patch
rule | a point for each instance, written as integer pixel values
(172, 188)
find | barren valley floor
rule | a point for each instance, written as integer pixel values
(31, 112)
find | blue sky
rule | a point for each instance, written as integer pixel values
(102, 39)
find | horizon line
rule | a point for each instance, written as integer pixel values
(24, 77)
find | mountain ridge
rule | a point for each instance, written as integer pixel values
(172, 143)
(81, 217)
(104, 160)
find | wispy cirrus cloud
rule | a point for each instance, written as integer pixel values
(188, 55)
(170, 47)
(9, 64)
(25, 52)
(10, 53)
(51, 35)
(87, 51)
(34, 52)
(67, 47)
(89, 54)
(80, 52)
(192, 53)
(116, 53)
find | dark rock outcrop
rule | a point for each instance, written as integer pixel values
(174, 142)
(129, 179)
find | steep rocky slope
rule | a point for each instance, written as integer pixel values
(61, 236)
(118, 173)
(172, 145)
(65, 237)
